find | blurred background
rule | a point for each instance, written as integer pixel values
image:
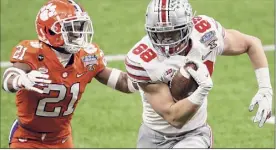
(105, 118)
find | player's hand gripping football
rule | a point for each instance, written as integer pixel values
(29, 80)
(204, 81)
(264, 99)
(201, 75)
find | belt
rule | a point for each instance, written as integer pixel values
(180, 135)
(43, 136)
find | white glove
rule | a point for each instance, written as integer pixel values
(29, 80)
(204, 81)
(264, 99)
(201, 75)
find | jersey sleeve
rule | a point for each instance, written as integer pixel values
(101, 61)
(141, 62)
(24, 52)
(221, 34)
(135, 70)
(210, 33)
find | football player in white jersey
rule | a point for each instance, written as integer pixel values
(174, 35)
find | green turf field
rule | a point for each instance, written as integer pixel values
(112, 119)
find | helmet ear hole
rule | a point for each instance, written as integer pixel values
(46, 30)
(51, 32)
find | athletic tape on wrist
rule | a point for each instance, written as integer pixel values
(263, 78)
(5, 82)
(198, 96)
(113, 78)
(15, 83)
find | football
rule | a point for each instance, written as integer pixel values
(183, 86)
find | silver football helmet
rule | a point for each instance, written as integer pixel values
(169, 25)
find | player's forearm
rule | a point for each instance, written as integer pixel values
(10, 79)
(237, 43)
(185, 109)
(259, 61)
(7, 85)
(181, 112)
(125, 85)
(118, 80)
(256, 53)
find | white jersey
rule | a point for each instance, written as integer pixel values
(144, 64)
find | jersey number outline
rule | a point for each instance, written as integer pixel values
(146, 53)
(74, 90)
(20, 52)
(201, 25)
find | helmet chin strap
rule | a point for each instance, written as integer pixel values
(78, 43)
(71, 49)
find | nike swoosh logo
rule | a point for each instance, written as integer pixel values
(204, 57)
(79, 75)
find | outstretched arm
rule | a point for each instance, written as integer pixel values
(237, 43)
(116, 79)
(21, 76)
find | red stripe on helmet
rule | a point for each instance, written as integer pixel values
(163, 10)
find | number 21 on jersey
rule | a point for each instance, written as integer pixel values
(20, 52)
(62, 91)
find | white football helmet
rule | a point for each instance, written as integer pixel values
(169, 25)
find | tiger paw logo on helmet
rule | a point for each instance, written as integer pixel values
(47, 11)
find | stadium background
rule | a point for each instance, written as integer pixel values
(108, 119)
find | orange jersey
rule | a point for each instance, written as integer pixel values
(53, 110)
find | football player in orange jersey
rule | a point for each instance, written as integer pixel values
(50, 75)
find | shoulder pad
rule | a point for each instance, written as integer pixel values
(137, 60)
(208, 34)
(93, 57)
(26, 52)
(91, 48)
